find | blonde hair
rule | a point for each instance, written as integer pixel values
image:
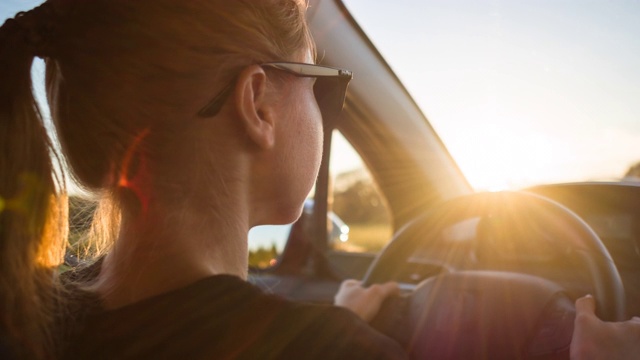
(115, 69)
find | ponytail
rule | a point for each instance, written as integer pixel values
(31, 219)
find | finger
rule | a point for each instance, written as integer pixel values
(390, 288)
(383, 291)
(586, 305)
(350, 282)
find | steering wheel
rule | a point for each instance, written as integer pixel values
(529, 305)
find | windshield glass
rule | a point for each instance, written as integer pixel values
(521, 92)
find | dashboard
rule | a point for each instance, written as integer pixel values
(523, 243)
(612, 210)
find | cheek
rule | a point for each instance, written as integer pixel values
(318, 150)
(314, 136)
(299, 154)
(304, 153)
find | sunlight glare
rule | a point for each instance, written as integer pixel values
(500, 157)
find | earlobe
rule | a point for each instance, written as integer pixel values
(253, 108)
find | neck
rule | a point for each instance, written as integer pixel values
(171, 251)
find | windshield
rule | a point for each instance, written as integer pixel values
(521, 92)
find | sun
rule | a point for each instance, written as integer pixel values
(499, 157)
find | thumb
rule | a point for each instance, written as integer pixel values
(586, 305)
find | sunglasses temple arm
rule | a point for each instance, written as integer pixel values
(215, 105)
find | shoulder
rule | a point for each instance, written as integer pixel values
(284, 329)
(224, 316)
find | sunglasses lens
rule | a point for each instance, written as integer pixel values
(329, 93)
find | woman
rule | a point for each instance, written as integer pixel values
(193, 121)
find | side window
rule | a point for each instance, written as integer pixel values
(266, 243)
(360, 219)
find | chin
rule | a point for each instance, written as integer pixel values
(281, 215)
(289, 216)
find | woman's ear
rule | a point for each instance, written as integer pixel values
(254, 109)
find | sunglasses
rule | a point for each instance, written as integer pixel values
(330, 88)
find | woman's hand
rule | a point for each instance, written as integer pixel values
(365, 302)
(596, 339)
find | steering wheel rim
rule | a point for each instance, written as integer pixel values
(584, 242)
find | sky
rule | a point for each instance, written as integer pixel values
(522, 92)
(8, 8)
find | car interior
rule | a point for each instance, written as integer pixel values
(483, 274)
